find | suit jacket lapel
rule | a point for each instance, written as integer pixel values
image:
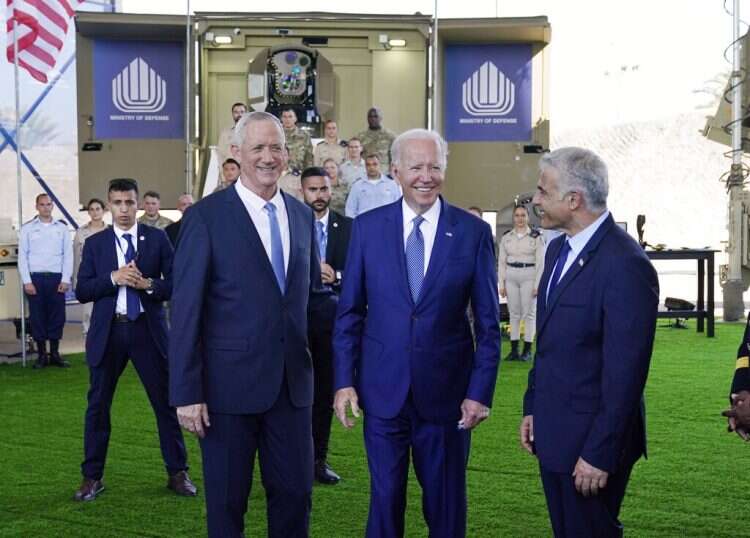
(394, 234)
(444, 239)
(577, 266)
(296, 230)
(248, 232)
(112, 248)
(541, 301)
(142, 241)
(333, 233)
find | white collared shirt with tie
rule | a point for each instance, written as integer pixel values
(577, 244)
(254, 205)
(428, 227)
(121, 247)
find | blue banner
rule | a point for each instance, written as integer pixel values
(487, 93)
(139, 89)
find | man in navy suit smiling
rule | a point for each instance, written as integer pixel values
(584, 416)
(241, 375)
(403, 349)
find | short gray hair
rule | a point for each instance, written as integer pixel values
(397, 148)
(238, 133)
(580, 170)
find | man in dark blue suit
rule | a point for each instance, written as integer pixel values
(126, 271)
(403, 348)
(240, 372)
(596, 316)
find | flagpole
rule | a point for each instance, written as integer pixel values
(18, 184)
(435, 69)
(188, 74)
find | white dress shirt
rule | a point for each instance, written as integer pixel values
(577, 244)
(428, 227)
(121, 247)
(254, 205)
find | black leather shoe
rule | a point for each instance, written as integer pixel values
(89, 490)
(525, 356)
(181, 484)
(41, 361)
(56, 360)
(324, 474)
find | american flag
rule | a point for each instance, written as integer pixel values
(41, 26)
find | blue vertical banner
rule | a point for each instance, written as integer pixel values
(487, 93)
(139, 89)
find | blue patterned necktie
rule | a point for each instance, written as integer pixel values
(277, 250)
(562, 257)
(415, 258)
(134, 304)
(322, 239)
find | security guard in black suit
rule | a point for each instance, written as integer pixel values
(332, 231)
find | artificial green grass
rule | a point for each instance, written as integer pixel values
(694, 483)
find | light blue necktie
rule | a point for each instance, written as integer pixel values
(277, 250)
(322, 239)
(131, 296)
(415, 258)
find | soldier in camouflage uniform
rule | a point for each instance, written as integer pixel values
(377, 140)
(331, 147)
(289, 182)
(297, 141)
(151, 206)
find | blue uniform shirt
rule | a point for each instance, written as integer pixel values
(366, 195)
(45, 248)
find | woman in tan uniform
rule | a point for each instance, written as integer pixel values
(96, 209)
(520, 266)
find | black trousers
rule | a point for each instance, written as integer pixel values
(47, 307)
(574, 516)
(321, 348)
(130, 341)
(281, 438)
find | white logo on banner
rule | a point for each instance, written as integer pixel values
(488, 92)
(139, 89)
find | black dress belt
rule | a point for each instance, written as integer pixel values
(521, 265)
(123, 318)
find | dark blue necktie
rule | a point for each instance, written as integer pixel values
(277, 250)
(415, 258)
(322, 239)
(134, 304)
(562, 257)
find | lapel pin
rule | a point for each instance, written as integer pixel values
(580, 262)
(335, 224)
(141, 238)
(449, 234)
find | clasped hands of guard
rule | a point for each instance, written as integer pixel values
(129, 275)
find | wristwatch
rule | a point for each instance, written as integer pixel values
(150, 286)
